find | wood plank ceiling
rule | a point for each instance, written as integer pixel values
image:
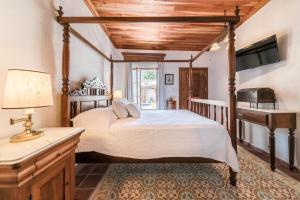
(168, 36)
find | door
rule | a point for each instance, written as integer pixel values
(199, 85)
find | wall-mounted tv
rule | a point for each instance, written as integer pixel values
(258, 54)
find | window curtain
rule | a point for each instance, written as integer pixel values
(128, 82)
(160, 83)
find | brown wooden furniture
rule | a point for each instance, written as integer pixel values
(256, 96)
(149, 57)
(199, 85)
(45, 173)
(230, 22)
(171, 104)
(272, 119)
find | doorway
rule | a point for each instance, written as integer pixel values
(144, 87)
(199, 85)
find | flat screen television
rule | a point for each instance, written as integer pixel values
(258, 54)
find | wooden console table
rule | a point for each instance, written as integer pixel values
(272, 119)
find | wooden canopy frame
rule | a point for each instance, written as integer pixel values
(230, 22)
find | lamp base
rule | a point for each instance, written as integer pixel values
(26, 136)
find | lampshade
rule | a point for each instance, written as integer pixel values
(118, 94)
(27, 89)
(215, 47)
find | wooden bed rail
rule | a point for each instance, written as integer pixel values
(209, 108)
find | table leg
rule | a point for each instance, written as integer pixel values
(240, 130)
(272, 148)
(291, 148)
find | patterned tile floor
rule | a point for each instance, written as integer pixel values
(89, 175)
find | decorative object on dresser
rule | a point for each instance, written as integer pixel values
(256, 95)
(92, 94)
(272, 119)
(40, 169)
(27, 89)
(171, 104)
(169, 79)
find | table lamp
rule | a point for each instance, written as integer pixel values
(118, 94)
(26, 89)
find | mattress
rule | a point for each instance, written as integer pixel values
(162, 133)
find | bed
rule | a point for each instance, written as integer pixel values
(72, 105)
(156, 134)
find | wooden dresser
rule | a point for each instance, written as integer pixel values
(272, 119)
(40, 169)
(171, 104)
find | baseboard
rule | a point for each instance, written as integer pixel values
(264, 152)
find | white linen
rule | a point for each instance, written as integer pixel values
(163, 133)
(133, 110)
(91, 119)
(119, 108)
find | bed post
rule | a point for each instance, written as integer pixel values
(232, 95)
(111, 76)
(65, 105)
(190, 83)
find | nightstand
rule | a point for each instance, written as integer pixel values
(43, 168)
(171, 104)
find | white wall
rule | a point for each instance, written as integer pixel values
(281, 18)
(85, 62)
(28, 41)
(173, 68)
(31, 38)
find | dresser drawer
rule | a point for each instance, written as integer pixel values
(54, 155)
(259, 118)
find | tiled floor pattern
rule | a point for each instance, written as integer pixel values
(89, 175)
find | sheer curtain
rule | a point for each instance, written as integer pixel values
(133, 82)
(128, 82)
(160, 83)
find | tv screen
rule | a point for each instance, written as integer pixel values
(258, 54)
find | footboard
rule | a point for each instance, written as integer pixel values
(212, 109)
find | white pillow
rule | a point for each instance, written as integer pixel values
(98, 118)
(119, 108)
(134, 110)
(125, 101)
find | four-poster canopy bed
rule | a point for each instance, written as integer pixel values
(70, 110)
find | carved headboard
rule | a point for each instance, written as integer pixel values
(92, 94)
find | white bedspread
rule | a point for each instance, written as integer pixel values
(162, 133)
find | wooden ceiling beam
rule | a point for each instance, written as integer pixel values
(174, 61)
(169, 19)
(162, 47)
